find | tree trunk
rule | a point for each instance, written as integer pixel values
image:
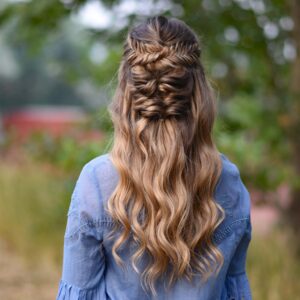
(293, 214)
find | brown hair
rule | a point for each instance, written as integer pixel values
(163, 114)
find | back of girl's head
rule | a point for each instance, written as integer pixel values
(163, 114)
(161, 71)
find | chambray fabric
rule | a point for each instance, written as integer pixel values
(89, 271)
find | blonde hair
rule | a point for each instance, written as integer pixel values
(163, 114)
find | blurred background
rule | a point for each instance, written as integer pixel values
(58, 67)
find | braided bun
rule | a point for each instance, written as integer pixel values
(160, 77)
(160, 95)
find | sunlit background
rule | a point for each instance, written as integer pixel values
(58, 67)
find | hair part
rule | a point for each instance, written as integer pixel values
(163, 114)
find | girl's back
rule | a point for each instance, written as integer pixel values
(90, 272)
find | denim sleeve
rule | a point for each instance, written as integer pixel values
(83, 258)
(237, 286)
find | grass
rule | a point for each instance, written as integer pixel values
(34, 201)
(273, 266)
(33, 205)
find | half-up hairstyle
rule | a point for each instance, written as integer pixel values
(163, 114)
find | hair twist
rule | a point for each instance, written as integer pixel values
(141, 53)
(161, 81)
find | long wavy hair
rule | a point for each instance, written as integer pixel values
(163, 114)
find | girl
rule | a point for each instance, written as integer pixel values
(163, 215)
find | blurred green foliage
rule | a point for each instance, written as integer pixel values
(245, 131)
(244, 52)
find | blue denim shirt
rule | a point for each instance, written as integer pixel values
(89, 271)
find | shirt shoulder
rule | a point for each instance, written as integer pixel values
(231, 192)
(232, 195)
(94, 185)
(103, 173)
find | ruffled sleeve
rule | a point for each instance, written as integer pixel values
(83, 255)
(68, 291)
(236, 286)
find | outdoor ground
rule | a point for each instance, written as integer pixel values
(19, 280)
